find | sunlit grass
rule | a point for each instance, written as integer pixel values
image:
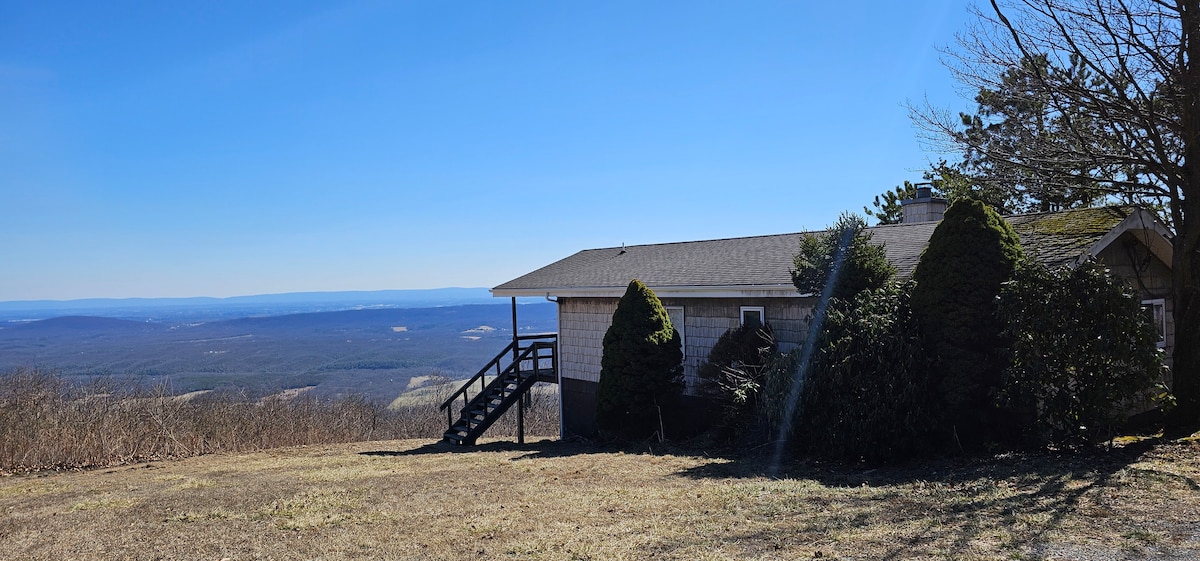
(549, 500)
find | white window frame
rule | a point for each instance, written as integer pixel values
(762, 313)
(680, 326)
(1155, 304)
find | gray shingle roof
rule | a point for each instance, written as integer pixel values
(766, 261)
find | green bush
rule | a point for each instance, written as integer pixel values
(641, 370)
(733, 375)
(1083, 353)
(864, 265)
(867, 393)
(958, 279)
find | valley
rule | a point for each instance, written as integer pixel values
(373, 351)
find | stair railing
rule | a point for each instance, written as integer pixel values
(539, 341)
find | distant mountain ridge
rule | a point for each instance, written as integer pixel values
(208, 308)
(451, 295)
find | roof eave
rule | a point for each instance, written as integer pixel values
(733, 291)
(1141, 220)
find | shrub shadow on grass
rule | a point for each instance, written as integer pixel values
(839, 474)
(958, 502)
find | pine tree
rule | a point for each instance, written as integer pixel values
(864, 266)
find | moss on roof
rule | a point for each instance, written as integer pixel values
(1059, 238)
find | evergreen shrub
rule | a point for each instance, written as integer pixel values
(641, 370)
(1083, 354)
(971, 253)
(867, 393)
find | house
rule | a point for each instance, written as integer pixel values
(711, 286)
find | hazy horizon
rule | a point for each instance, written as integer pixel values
(261, 295)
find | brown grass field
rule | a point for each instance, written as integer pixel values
(414, 499)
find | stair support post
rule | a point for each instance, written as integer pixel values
(521, 422)
(516, 343)
(516, 358)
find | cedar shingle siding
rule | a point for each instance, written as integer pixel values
(581, 326)
(583, 321)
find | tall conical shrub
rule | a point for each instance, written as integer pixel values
(641, 371)
(958, 279)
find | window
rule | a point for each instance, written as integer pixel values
(754, 316)
(1156, 313)
(677, 319)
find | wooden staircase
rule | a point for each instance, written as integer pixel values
(534, 358)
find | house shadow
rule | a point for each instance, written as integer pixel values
(545, 448)
(959, 500)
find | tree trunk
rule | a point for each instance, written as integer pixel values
(1185, 375)
(1185, 367)
(1185, 370)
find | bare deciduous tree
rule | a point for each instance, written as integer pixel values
(1108, 100)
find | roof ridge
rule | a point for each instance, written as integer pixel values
(1069, 210)
(756, 236)
(685, 242)
(875, 227)
(901, 225)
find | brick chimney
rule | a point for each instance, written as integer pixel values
(924, 208)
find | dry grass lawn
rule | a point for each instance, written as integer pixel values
(550, 500)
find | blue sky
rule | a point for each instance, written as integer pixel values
(219, 149)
